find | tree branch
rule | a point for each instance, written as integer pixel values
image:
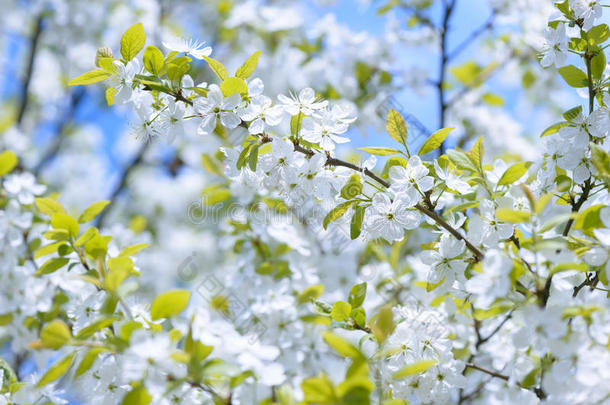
(99, 222)
(29, 69)
(331, 161)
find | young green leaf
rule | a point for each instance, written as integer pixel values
(217, 67)
(169, 304)
(341, 311)
(153, 60)
(396, 126)
(133, 41)
(57, 370)
(248, 67)
(55, 334)
(337, 212)
(233, 85)
(91, 77)
(414, 368)
(574, 76)
(435, 140)
(92, 211)
(381, 151)
(8, 161)
(514, 173)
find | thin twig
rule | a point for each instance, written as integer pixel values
(122, 183)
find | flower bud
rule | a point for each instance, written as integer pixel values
(103, 52)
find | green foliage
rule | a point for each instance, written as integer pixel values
(153, 60)
(574, 76)
(92, 211)
(217, 67)
(379, 150)
(54, 335)
(435, 140)
(396, 126)
(8, 161)
(415, 368)
(514, 173)
(337, 213)
(57, 370)
(249, 66)
(91, 77)
(169, 304)
(133, 41)
(233, 85)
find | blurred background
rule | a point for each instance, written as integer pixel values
(464, 63)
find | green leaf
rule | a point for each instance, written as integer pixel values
(599, 34)
(119, 268)
(169, 304)
(460, 159)
(468, 73)
(52, 265)
(355, 227)
(435, 140)
(217, 67)
(357, 295)
(248, 67)
(295, 123)
(572, 113)
(574, 76)
(177, 68)
(514, 173)
(310, 293)
(137, 396)
(133, 41)
(210, 165)
(337, 212)
(153, 60)
(589, 219)
(598, 64)
(57, 370)
(66, 222)
(90, 329)
(319, 390)
(88, 360)
(341, 311)
(477, 152)
(493, 99)
(49, 206)
(341, 346)
(512, 216)
(396, 126)
(379, 150)
(91, 77)
(92, 211)
(110, 92)
(55, 334)
(554, 128)
(8, 161)
(132, 250)
(383, 324)
(415, 368)
(233, 85)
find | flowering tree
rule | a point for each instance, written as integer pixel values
(449, 274)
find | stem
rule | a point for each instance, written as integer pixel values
(122, 184)
(29, 69)
(443, 67)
